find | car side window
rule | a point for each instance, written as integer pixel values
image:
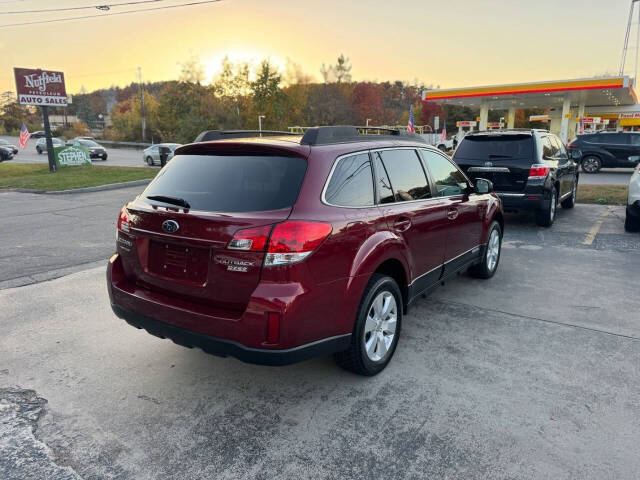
(635, 139)
(547, 147)
(560, 152)
(351, 184)
(446, 176)
(405, 176)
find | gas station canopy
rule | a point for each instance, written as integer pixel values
(606, 91)
(558, 96)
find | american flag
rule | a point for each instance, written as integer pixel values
(24, 136)
(443, 137)
(410, 126)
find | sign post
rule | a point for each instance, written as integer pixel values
(42, 88)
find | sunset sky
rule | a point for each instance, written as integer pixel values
(447, 43)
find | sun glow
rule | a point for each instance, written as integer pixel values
(213, 63)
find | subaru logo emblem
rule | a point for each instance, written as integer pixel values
(170, 226)
(488, 164)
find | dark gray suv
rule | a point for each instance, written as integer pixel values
(607, 150)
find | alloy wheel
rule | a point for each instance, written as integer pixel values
(590, 164)
(493, 250)
(380, 326)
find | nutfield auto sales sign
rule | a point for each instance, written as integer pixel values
(40, 87)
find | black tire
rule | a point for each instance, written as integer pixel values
(631, 224)
(486, 268)
(592, 164)
(355, 358)
(150, 161)
(39, 151)
(571, 201)
(546, 217)
(104, 159)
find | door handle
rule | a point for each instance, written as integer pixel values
(452, 213)
(402, 224)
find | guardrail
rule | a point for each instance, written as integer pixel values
(115, 144)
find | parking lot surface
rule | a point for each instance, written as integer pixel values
(79, 232)
(116, 157)
(532, 374)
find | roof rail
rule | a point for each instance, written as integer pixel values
(346, 134)
(211, 135)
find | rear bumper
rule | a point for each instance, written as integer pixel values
(224, 348)
(240, 334)
(523, 201)
(633, 211)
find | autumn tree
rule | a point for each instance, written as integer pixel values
(367, 103)
(192, 71)
(268, 97)
(233, 88)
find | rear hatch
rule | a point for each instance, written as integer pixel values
(179, 228)
(503, 158)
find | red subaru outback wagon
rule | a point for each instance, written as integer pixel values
(280, 248)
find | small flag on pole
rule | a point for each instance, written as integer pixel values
(24, 136)
(443, 137)
(410, 126)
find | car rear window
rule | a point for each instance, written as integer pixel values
(495, 147)
(223, 183)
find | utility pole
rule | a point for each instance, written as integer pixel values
(260, 117)
(142, 112)
(626, 40)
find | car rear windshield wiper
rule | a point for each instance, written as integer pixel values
(172, 200)
(497, 155)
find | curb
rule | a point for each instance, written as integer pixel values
(99, 188)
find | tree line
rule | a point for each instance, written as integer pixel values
(177, 111)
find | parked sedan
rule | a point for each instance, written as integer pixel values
(151, 155)
(95, 150)
(5, 153)
(41, 144)
(5, 144)
(632, 220)
(607, 150)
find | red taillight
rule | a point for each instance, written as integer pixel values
(538, 171)
(251, 239)
(572, 145)
(290, 242)
(123, 220)
(294, 240)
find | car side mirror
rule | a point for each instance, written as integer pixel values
(483, 185)
(575, 154)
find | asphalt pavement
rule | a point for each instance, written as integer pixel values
(531, 374)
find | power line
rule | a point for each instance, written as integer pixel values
(104, 7)
(37, 22)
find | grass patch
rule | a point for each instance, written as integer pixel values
(602, 194)
(37, 176)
